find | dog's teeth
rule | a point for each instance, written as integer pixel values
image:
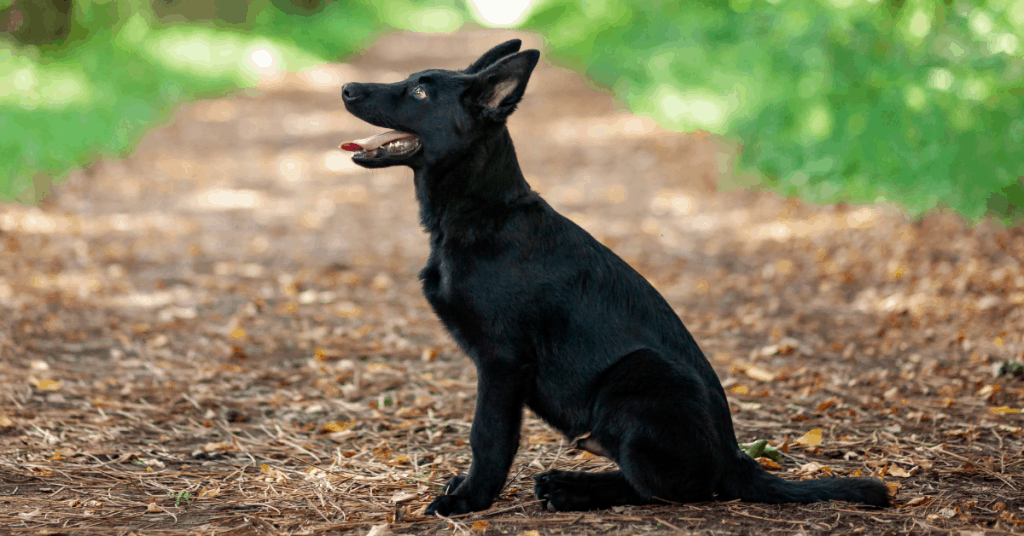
(399, 145)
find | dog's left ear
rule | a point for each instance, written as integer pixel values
(494, 93)
(508, 47)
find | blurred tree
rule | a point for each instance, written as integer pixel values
(228, 11)
(918, 102)
(300, 7)
(240, 13)
(36, 22)
(85, 79)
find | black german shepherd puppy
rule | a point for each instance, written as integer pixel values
(552, 318)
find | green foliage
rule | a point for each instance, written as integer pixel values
(760, 448)
(180, 497)
(911, 101)
(91, 84)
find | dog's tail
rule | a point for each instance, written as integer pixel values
(754, 484)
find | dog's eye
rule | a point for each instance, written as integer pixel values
(419, 92)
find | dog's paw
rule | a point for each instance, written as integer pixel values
(453, 484)
(550, 490)
(448, 505)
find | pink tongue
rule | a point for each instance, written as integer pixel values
(373, 142)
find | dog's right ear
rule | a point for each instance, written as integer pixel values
(493, 55)
(494, 93)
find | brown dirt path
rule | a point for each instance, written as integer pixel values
(224, 333)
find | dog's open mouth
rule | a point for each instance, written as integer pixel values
(391, 143)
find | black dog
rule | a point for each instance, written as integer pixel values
(552, 318)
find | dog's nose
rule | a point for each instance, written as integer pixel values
(351, 92)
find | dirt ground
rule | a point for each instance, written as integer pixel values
(224, 333)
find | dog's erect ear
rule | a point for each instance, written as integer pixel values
(493, 55)
(495, 92)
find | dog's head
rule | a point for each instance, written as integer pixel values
(435, 113)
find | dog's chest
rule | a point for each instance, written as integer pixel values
(458, 293)
(437, 280)
(442, 288)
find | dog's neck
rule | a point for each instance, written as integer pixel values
(480, 182)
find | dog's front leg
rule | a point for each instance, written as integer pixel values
(494, 439)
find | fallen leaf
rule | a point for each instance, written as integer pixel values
(402, 497)
(272, 474)
(827, 404)
(810, 469)
(381, 282)
(347, 309)
(153, 508)
(988, 389)
(158, 342)
(480, 526)
(810, 439)
(46, 385)
(531, 533)
(786, 346)
(336, 426)
(379, 530)
(209, 492)
(919, 501)
(740, 389)
(769, 464)
(152, 462)
(1004, 409)
(761, 449)
(759, 374)
(895, 470)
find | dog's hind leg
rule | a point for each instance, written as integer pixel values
(663, 425)
(563, 491)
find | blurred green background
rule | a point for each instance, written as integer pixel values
(917, 102)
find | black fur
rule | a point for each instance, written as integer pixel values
(556, 321)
